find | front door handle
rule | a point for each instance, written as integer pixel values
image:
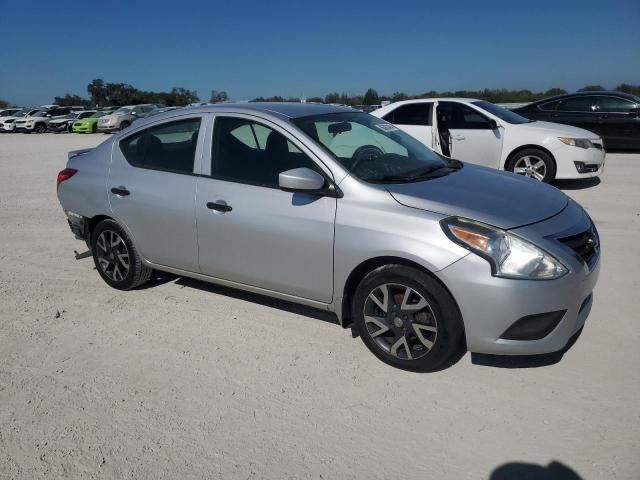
(219, 206)
(121, 191)
(458, 136)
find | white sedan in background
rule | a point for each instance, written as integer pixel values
(480, 132)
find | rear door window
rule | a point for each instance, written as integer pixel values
(411, 114)
(169, 146)
(576, 104)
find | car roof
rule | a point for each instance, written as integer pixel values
(283, 109)
(612, 93)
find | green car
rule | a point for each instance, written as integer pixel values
(89, 124)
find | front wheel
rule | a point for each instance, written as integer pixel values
(534, 164)
(124, 125)
(40, 128)
(408, 319)
(116, 258)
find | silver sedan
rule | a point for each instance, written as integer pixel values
(336, 209)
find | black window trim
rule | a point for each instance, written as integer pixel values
(330, 189)
(178, 118)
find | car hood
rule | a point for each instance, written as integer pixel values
(557, 129)
(495, 197)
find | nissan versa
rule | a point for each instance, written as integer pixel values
(337, 209)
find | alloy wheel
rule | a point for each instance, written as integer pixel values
(400, 321)
(532, 167)
(113, 255)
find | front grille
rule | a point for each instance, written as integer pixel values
(586, 245)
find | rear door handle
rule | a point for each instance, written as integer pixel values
(121, 191)
(219, 206)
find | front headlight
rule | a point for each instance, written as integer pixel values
(576, 142)
(510, 256)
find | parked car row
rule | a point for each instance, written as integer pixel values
(73, 119)
(483, 133)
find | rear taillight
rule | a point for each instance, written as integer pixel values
(65, 174)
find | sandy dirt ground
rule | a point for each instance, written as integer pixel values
(185, 380)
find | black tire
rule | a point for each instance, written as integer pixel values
(549, 163)
(136, 274)
(124, 125)
(94, 128)
(40, 128)
(447, 342)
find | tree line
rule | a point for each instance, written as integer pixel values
(104, 94)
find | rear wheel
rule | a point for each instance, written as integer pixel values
(408, 319)
(533, 163)
(116, 258)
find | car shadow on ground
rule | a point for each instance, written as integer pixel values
(290, 307)
(530, 471)
(524, 361)
(580, 184)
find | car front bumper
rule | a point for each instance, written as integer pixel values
(58, 127)
(491, 306)
(108, 128)
(567, 156)
(24, 127)
(7, 127)
(82, 128)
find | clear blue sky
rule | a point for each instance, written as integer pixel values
(289, 48)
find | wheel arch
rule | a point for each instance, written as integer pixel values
(366, 267)
(93, 222)
(519, 149)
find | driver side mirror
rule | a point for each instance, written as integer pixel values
(493, 124)
(300, 180)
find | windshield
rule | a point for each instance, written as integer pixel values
(39, 114)
(372, 149)
(502, 113)
(122, 110)
(99, 114)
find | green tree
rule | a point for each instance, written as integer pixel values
(399, 96)
(72, 100)
(592, 88)
(314, 100)
(218, 96)
(4, 104)
(552, 92)
(371, 97)
(626, 88)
